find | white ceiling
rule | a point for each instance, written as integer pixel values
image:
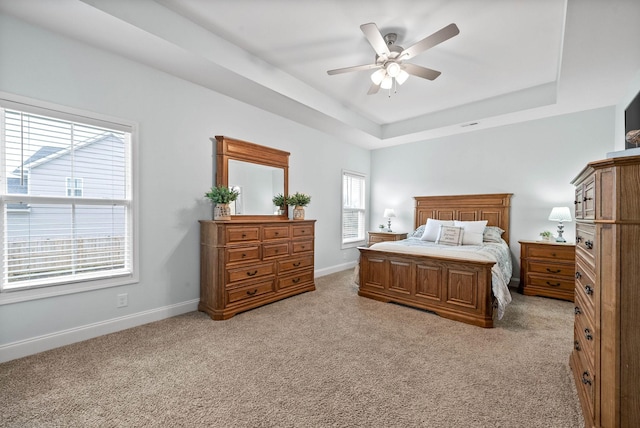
(512, 61)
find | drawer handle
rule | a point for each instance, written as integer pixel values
(303, 231)
(252, 273)
(587, 334)
(244, 235)
(577, 202)
(585, 199)
(577, 310)
(244, 255)
(277, 250)
(553, 285)
(585, 378)
(303, 247)
(295, 280)
(296, 264)
(252, 292)
(578, 275)
(554, 271)
(588, 289)
(576, 345)
(277, 233)
(578, 239)
(588, 244)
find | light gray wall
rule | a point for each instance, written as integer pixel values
(535, 161)
(176, 120)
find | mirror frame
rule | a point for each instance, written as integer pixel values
(233, 149)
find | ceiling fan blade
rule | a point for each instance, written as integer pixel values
(430, 41)
(419, 71)
(373, 89)
(354, 68)
(375, 39)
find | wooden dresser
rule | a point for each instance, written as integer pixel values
(246, 264)
(606, 356)
(547, 269)
(385, 236)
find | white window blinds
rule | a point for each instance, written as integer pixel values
(353, 207)
(66, 200)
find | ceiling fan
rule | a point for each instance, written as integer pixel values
(390, 57)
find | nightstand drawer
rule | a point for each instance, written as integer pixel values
(550, 252)
(550, 282)
(556, 269)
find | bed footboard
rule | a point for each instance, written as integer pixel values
(456, 289)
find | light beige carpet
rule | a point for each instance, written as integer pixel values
(327, 358)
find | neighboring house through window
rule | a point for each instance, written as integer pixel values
(353, 208)
(68, 211)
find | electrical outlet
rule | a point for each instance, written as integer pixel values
(123, 300)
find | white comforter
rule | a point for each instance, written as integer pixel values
(488, 251)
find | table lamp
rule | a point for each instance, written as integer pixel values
(388, 212)
(560, 214)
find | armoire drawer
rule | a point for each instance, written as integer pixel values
(586, 243)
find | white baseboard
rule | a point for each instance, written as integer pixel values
(335, 268)
(22, 348)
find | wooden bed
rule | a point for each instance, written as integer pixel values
(455, 289)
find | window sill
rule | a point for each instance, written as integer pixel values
(17, 296)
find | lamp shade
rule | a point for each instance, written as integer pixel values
(402, 77)
(560, 214)
(386, 82)
(388, 212)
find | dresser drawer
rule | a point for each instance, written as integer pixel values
(250, 291)
(295, 280)
(301, 231)
(249, 272)
(551, 282)
(243, 233)
(301, 246)
(584, 340)
(555, 269)
(242, 254)
(585, 383)
(586, 243)
(585, 282)
(270, 251)
(275, 232)
(583, 308)
(550, 252)
(291, 264)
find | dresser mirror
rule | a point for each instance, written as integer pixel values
(257, 172)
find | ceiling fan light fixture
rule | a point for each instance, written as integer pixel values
(393, 69)
(386, 82)
(378, 76)
(402, 77)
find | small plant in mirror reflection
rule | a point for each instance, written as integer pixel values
(280, 200)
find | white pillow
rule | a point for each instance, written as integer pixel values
(432, 228)
(450, 235)
(473, 231)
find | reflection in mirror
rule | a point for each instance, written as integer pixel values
(258, 184)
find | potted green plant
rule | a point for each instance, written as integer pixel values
(299, 201)
(280, 201)
(546, 235)
(221, 196)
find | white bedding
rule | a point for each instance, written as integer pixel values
(488, 251)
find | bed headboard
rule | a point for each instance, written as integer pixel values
(491, 207)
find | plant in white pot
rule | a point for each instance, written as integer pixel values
(221, 196)
(299, 201)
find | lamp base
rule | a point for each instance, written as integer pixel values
(560, 230)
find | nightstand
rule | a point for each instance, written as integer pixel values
(547, 269)
(375, 237)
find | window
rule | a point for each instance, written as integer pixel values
(74, 187)
(66, 199)
(353, 208)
